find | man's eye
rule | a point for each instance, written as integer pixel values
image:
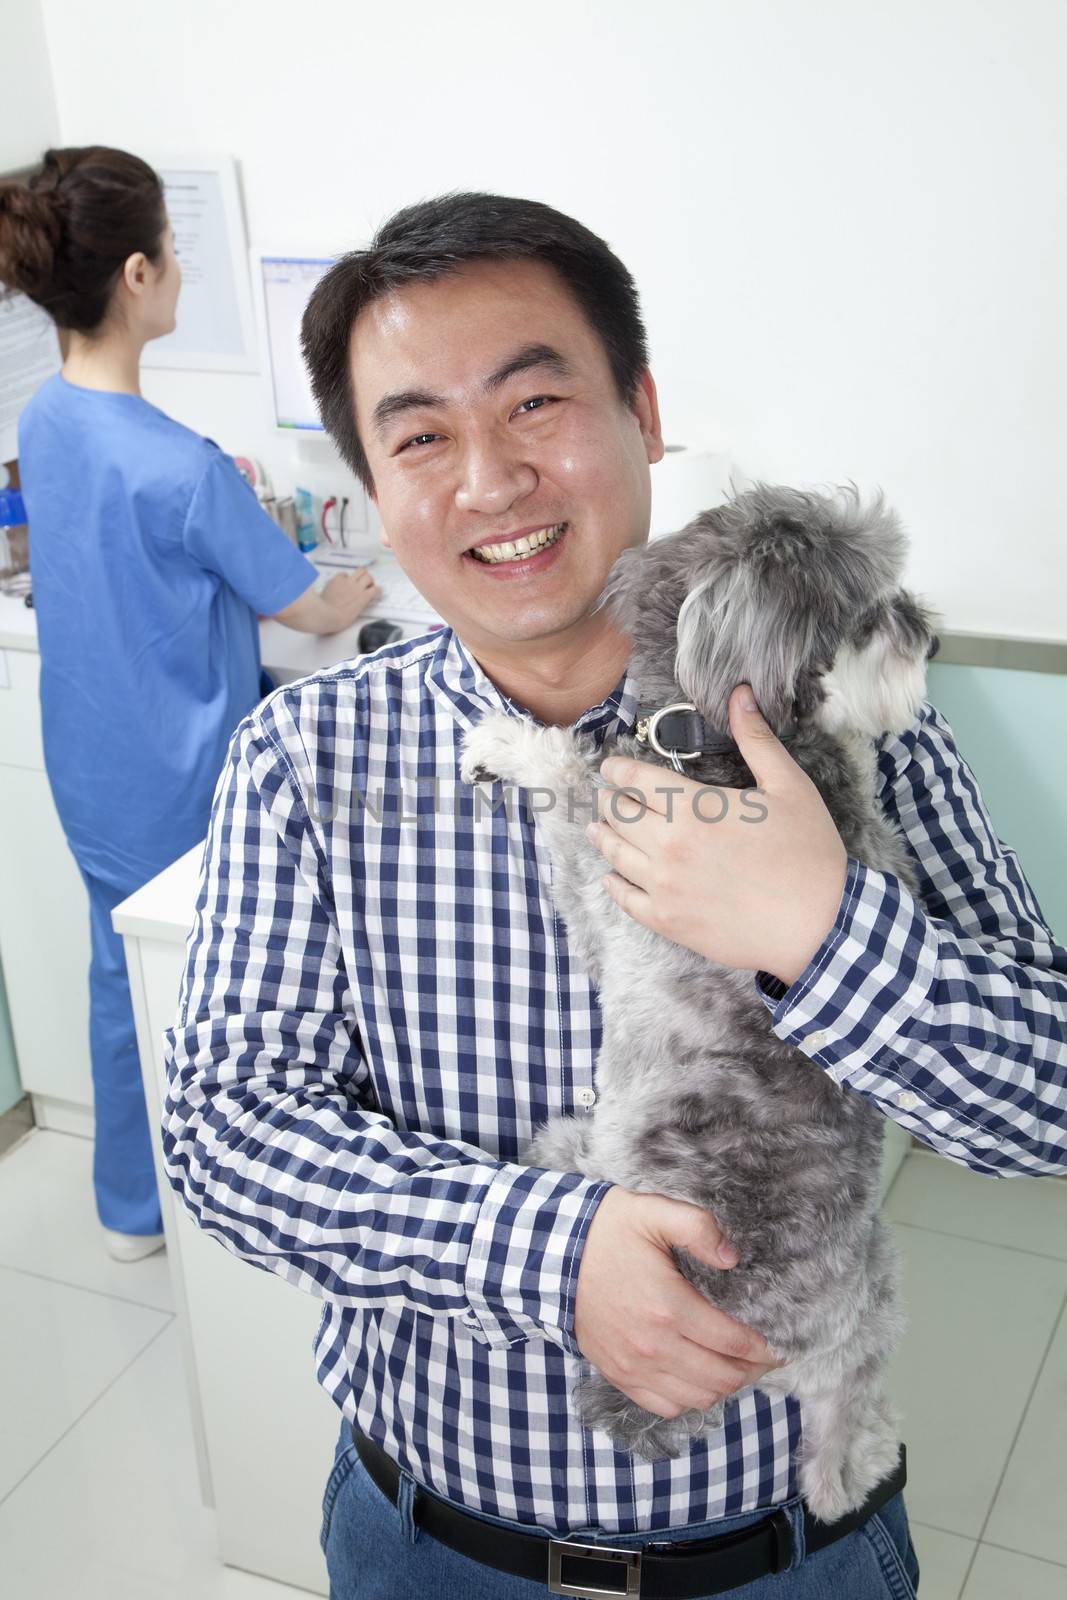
(538, 401)
(418, 439)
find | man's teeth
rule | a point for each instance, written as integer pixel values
(517, 548)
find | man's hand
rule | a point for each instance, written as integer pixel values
(642, 1324)
(751, 879)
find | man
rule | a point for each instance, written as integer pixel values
(379, 1006)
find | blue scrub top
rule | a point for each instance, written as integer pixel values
(150, 557)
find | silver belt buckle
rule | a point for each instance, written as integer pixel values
(628, 1561)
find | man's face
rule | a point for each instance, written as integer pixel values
(487, 409)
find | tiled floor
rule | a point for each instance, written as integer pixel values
(98, 1492)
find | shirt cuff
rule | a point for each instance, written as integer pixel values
(866, 955)
(524, 1255)
(858, 1011)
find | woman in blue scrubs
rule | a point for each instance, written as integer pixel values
(150, 559)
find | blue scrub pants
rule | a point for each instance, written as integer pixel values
(124, 1178)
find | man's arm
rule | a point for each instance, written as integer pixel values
(267, 1134)
(948, 1009)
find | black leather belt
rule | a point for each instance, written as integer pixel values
(682, 1570)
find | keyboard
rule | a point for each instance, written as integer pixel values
(400, 600)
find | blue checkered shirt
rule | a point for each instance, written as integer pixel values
(379, 1008)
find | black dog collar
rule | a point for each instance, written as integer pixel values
(678, 733)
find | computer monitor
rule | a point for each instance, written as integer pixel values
(285, 285)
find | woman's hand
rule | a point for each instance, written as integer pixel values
(335, 607)
(350, 593)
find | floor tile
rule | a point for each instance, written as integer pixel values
(980, 1322)
(1020, 1213)
(943, 1560)
(1030, 1511)
(60, 1348)
(133, 1528)
(998, 1574)
(49, 1226)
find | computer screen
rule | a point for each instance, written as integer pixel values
(287, 284)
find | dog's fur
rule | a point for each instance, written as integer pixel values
(797, 594)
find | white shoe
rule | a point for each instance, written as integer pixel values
(132, 1246)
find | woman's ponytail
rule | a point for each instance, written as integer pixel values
(29, 238)
(66, 234)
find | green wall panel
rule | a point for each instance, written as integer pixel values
(1010, 728)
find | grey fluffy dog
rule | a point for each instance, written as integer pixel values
(797, 594)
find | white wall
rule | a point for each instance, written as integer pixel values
(846, 219)
(28, 122)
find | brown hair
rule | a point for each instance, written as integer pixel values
(66, 234)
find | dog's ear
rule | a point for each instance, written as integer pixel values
(785, 573)
(735, 627)
(878, 679)
(624, 592)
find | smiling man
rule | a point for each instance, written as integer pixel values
(379, 1005)
(553, 486)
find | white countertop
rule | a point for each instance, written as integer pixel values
(163, 907)
(282, 650)
(18, 625)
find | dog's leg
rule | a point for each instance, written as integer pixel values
(851, 1442)
(851, 1435)
(874, 1448)
(558, 770)
(824, 1454)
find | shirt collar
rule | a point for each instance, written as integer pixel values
(457, 682)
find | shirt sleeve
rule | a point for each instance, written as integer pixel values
(948, 1008)
(270, 1135)
(227, 531)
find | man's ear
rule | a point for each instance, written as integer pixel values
(383, 537)
(644, 403)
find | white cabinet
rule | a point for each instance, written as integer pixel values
(44, 915)
(265, 1431)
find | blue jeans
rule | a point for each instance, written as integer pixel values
(376, 1551)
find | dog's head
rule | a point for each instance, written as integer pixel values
(793, 592)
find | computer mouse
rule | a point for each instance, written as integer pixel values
(373, 635)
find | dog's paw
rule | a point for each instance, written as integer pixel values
(873, 1449)
(825, 1491)
(483, 748)
(502, 747)
(601, 1406)
(558, 1146)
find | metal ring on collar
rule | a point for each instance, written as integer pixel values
(653, 724)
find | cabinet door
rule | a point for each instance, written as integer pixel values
(245, 1334)
(44, 941)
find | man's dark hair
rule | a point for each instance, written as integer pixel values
(436, 237)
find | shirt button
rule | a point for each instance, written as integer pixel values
(815, 1041)
(586, 1097)
(907, 1101)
